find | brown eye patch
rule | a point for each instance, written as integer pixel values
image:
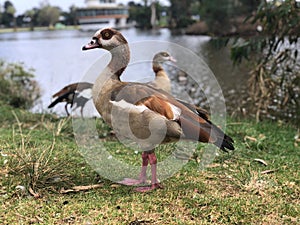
(106, 34)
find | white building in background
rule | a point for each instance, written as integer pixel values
(102, 13)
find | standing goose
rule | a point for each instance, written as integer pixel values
(79, 93)
(162, 80)
(154, 116)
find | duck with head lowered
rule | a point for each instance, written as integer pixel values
(78, 93)
(147, 115)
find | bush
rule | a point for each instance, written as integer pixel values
(17, 86)
(274, 83)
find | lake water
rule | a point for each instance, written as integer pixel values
(58, 60)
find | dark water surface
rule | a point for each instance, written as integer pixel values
(58, 60)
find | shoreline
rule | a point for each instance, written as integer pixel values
(27, 29)
(194, 29)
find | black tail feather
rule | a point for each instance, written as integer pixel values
(58, 100)
(224, 142)
(63, 98)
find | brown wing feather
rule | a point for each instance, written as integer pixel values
(196, 109)
(194, 127)
(158, 105)
(83, 85)
(72, 88)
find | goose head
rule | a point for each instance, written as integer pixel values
(159, 59)
(113, 41)
(162, 57)
(106, 38)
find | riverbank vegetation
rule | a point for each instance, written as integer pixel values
(18, 87)
(265, 37)
(274, 80)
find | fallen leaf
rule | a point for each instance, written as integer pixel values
(80, 188)
(250, 138)
(34, 194)
(267, 171)
(40, 219)
(261, 161)
(213, 165)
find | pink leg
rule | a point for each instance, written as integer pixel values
(142, 177)
(154, 182)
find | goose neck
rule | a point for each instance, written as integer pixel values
(157, 66)
(119, 60)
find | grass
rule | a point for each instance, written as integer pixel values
(259, 183)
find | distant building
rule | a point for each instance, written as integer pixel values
(102, 13)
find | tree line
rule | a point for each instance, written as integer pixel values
(45, 15)
(180, 13)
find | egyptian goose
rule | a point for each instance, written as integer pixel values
(162, 80)
(142, 113)
(79, 93)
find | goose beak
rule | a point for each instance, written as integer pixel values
(93, 44)
(173, 59)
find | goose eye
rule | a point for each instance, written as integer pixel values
(106, 35)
